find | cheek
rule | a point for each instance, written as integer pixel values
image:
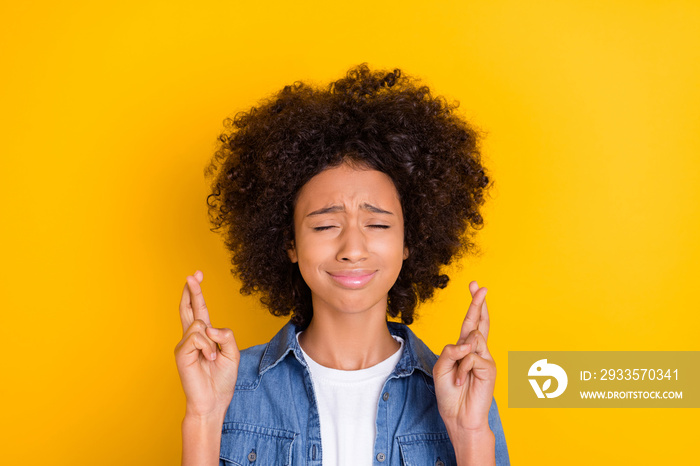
(392, 250)
(308, 270)
(311, 254)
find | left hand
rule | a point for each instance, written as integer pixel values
(465, 373)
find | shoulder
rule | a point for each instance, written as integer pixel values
(416, 355)
(249, 366)
(258, 359)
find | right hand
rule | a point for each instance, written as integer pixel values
(208, 374)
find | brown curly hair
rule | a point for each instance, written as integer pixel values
(382, 120)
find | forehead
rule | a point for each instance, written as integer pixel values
(346, 184)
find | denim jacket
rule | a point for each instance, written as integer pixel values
(273, 417)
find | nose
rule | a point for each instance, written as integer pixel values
(352, 246)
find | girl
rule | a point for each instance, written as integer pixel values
(340, 206)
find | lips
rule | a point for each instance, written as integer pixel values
(353, 279)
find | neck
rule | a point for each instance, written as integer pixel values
(348, 341)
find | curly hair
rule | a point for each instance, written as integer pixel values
(382, 120)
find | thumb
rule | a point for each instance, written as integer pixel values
(225, 338)
(449, 358)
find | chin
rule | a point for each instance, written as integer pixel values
(357, 307)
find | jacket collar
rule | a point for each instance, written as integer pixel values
(416, 355)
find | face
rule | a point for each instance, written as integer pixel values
(348, 226)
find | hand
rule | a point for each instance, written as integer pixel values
(208, 374)
(465, 373)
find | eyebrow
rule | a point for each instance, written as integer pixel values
(339, 208)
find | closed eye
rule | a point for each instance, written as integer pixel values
(323, 228)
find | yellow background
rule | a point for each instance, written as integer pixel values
(110, 112)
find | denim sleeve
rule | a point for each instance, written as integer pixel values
(502, 458)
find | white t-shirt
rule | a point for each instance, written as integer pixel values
(347, 408)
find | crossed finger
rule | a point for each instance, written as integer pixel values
(196, 339)
(477, 343)
(477, 317)
(192, 305)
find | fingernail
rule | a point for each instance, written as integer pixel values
(463, 347)
(458, 382)
(213, 356)
(213, 331)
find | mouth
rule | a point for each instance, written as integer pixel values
(353, 279)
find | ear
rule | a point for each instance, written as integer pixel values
(405, 253)
(292, 252)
